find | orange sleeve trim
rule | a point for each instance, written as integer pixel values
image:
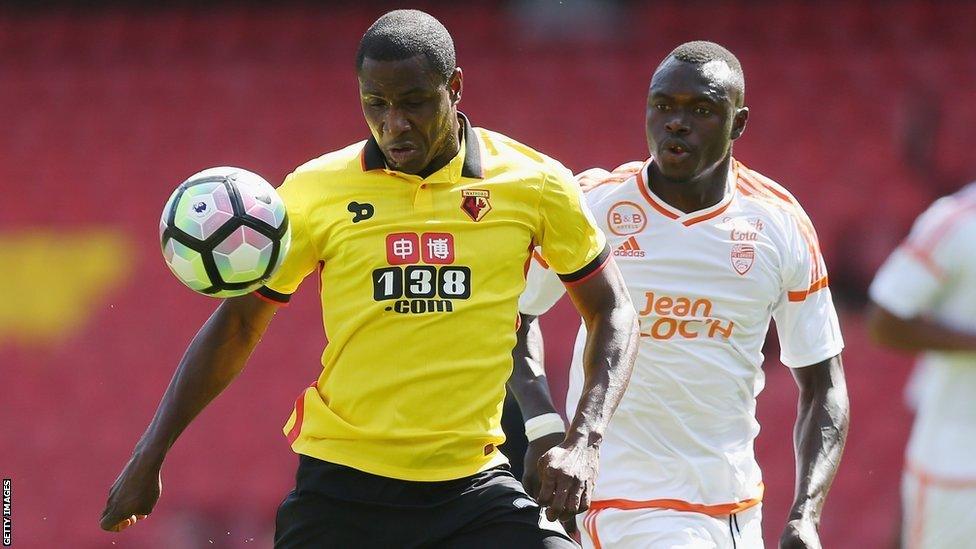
(925, 259)
(680, 505)
(802, 294)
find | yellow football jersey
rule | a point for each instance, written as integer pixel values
(420, 279)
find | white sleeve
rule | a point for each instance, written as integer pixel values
(806, 321)
(542, 289)
(909, 282)
(904, 285)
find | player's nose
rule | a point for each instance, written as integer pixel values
(395, 122)
(677, 126)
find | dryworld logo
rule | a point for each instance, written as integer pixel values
(360, 211)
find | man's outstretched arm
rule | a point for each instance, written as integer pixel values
(823, 414)
(917, 333)
(567, 471)
(214, 358)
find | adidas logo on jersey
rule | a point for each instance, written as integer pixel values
(629, 248)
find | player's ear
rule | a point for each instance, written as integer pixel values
(739, 122)
(455, 84)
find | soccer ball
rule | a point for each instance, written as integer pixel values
(224, 231)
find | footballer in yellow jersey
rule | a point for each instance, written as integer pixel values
(422, 236)
(420, 282)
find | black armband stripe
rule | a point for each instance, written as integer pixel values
(591, 268)
(272, 295)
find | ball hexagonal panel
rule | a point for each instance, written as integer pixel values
(203, 209)
(163, 219)
(260, 199)
(243, 256)
(186, 264)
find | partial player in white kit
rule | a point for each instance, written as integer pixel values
(710, 251)
(925, 300)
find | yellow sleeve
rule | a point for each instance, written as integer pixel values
(301, 258)
(571, 242)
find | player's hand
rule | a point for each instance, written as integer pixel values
(567, 473)
(133, 495)
(530, 476)
(533, 453)
(800, 534)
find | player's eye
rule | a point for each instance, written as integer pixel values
(702, 111)
(662, 107)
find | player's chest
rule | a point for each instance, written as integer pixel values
(409, 223)
(729, 266)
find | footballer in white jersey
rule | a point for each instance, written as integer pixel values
(925, 300)
(678, 467)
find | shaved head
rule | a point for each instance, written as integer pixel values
(717, 63)
(401, 34)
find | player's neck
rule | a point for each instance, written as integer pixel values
(699, 193)
(451, 148)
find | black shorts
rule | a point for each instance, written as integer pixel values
(333, 506)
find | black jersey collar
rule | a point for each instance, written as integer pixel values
(373, 157)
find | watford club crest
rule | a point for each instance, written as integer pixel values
(475, 203)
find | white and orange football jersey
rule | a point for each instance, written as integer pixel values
(933, 274)
(705, 285)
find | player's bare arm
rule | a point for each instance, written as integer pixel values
(214, 358)
(528, 381)
(917, 333)
(568, 470)
(530, 387)
(823, 413)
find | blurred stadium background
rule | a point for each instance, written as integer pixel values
(864, 110)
